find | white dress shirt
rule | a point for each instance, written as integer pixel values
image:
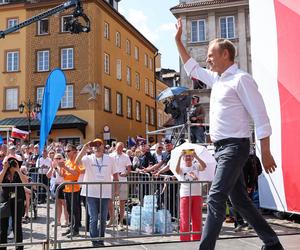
(234, 96)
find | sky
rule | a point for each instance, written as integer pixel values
(155, 21)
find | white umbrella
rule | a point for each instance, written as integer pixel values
(202, 152)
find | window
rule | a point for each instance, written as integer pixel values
(12, 61)
(119, 104)
(11, 99)
(198, 30)
(39, 95)
(138, 110)
(152, 116)
(69, 140)
(151, 89)
(12, 22)
(107, 99)
(227, 27)
(118, 39)
(146, 86)
(65, 20)
(137, 81)
(43, 60)
(4, 1)
(146, 60)
(119, 69)
(150, 63)
(67, 58)
(147, 112)
(43, 26)
(128, 47)
(129, 107)
(106, 63)
(68, 99)
(106, 30)
(128, 75)
(136, 53)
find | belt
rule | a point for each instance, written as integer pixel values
(223, 142)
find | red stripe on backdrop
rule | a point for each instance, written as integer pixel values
(288, 30)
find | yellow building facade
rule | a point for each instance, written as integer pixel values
(109, 71)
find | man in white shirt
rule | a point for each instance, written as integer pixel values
(123, 164)
(43, 164)
(234, 97)
(99, 167)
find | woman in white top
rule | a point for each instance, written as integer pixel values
(190, 194)
(53, 172)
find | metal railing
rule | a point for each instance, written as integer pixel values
(30, 235)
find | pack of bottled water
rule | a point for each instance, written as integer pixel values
(135, 221)
(148, 219)
(163, 223)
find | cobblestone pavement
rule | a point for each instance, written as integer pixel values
(244, 240)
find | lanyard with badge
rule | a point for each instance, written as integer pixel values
(99, 166)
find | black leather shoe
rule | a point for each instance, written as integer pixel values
(277, 246)
(66, 233)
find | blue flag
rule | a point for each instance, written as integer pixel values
(1, 140)
(53, 93)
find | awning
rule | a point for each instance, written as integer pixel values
(60, 122)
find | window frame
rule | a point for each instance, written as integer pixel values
(137, 80)
(14, 99)
(129, 109)
(128, 47)
(118, 39)
(106, 63)
(61, 58)
(39, 27)
(106, 30)
(109, 99)
(39, 96)
(227, 28)
(136, 53)
(197, 30)
(147, 114)
(37, 61)
(62, 23)
(138, 111)
(119, 69)
(10, 19)
(12, 66)
(64, 96)
(119, 103)
(128, 75)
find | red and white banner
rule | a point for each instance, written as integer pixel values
(275, 52)
(18, 133)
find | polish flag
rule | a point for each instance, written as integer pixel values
(275, 53)
(18, 133)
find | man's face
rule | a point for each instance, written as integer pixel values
(119, 148)
(215, 58)
(159, 148)
(169, 147)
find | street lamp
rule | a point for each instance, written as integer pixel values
(29, 107)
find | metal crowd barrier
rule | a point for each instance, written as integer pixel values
(32, 234)
(156, 214)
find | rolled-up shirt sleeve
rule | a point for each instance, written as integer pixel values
(251, 98)
(194, 70)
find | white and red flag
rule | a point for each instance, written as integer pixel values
(275, 53)
(18, 133)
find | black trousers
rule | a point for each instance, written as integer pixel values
(73, 210)
(16, 219)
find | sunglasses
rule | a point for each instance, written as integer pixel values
(58, 158)
(68, 151)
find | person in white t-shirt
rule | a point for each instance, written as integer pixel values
(190, 194)
(123, 165)
(99, 167)
(43, 164)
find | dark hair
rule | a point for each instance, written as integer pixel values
(72, 146)
(225, 44)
